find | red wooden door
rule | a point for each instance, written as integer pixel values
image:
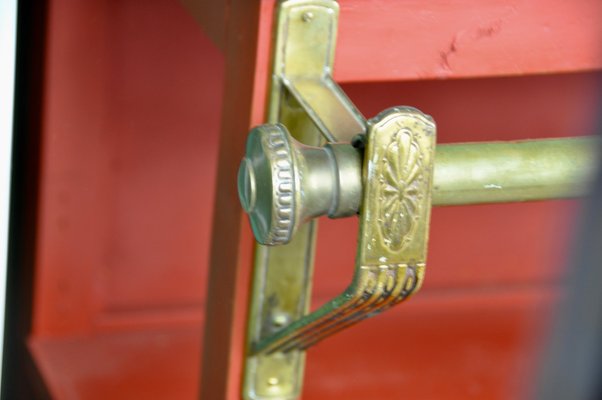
(145, 113)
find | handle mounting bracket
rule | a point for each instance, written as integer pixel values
(306, 99)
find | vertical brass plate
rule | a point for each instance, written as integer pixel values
(305, 36)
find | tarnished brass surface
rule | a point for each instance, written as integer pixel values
(284, 184)
(327, 180)
(394, 221)
(304, 50)
(305, 37)
(493, 172)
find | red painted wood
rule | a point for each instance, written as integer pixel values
(231, 249)
(383, 40)
(133, 97)
(151, 364)
(74, 188)
(454, 345)
(441, 346)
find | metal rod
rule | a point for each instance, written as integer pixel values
(492, 172)
(328, 180)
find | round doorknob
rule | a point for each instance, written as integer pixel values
(283, 183)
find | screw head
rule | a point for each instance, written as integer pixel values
(307, 16)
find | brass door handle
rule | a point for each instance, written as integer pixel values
(283, 184)
(286, 180)
(307, 182)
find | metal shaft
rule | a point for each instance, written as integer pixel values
(283, 183)
(492, 172)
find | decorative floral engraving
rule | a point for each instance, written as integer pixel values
(401, 179)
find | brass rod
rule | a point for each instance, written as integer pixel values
(465, 173)
(493, 172)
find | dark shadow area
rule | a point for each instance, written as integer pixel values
(20, 379)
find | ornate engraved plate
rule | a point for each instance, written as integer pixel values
(394, 221)
(401, 181)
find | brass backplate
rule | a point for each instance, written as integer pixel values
(305, 36)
